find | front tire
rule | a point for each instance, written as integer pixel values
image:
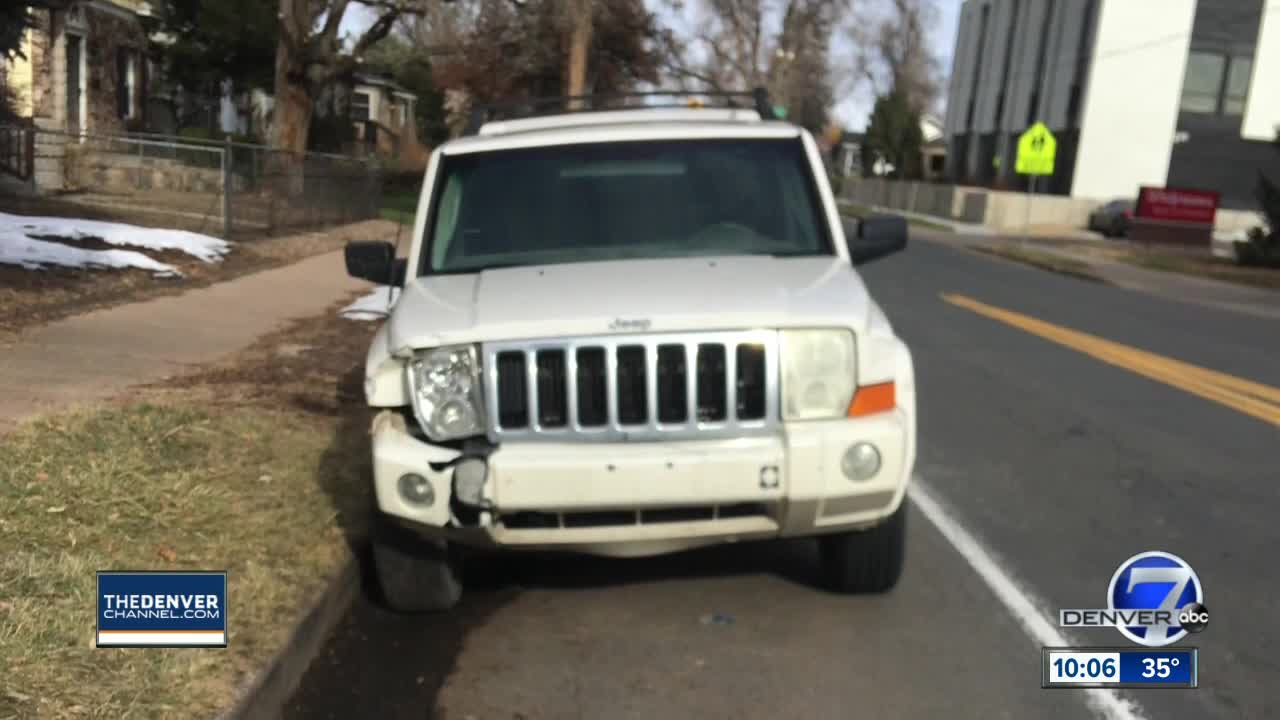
(415, 574)
(866, 561)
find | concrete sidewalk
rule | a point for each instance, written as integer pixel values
(97, 355)
(1222, 242)
(1259, 302)
(1062, 232)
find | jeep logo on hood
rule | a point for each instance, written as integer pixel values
(624, 325)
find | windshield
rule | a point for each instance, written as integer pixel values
(623, 200)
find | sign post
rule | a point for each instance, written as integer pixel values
(1036, 150)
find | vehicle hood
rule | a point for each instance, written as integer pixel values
(661, 295)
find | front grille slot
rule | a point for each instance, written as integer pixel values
(534, 520)
(513, 396)
(750, 382)
(531, 520)
(553, 407)
(741, 510)
(673, 405)
(599, 519)
(633, 387)
(593, 406)
(711, 384)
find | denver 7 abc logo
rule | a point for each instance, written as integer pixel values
(1154, 599)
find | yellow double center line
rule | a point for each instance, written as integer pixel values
(1246, 396)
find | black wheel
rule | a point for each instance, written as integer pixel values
(866, 561)
(415, 574)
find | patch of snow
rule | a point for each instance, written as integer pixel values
(17, 249)
(372, 306)
(206, 248)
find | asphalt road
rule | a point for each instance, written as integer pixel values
(1054, 465)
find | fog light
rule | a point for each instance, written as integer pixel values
(860, 462)
(417, 490)
(468, 481)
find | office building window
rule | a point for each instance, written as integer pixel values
(1216, 84)
(977, 67)
(1237, 90)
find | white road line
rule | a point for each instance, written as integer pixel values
(1025, 608)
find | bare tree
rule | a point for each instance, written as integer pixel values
(782, 45)
(486, 50)
(725, 49)
(892, 51)
(310, 57)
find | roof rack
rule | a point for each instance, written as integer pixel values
(567, 104)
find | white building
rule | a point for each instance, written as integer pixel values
(1177, 93)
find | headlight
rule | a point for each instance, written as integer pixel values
(446, 392)
(818, 374)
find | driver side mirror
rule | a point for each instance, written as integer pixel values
(376, 262)
(876, 236)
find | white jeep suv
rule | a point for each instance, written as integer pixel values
(633, 332)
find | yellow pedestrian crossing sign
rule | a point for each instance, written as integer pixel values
(1036, 148)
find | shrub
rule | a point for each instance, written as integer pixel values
(1262, 249)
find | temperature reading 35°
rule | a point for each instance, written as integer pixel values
(1158, 667)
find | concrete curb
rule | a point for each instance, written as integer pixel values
(264, 696)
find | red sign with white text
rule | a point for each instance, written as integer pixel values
(1175, 205)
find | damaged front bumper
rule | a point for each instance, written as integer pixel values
(645, 498)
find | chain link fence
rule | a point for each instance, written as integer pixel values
(223, 188)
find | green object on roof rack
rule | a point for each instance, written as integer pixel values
(780, 112)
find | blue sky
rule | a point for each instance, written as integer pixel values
(851, 110)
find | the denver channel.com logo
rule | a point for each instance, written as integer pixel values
(1154, 599)
(162, 609)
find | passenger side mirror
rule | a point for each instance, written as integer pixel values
(376, 262)
(875, 237)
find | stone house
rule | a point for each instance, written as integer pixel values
(83, 72)
(84, 69)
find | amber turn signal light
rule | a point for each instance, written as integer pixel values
(872, 399)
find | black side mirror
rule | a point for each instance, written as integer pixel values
(376, 262)
(877, 236)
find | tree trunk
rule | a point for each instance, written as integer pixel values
(579, 43)
(291, 116)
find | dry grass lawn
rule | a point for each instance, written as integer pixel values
(257, 467)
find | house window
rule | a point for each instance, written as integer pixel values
(360, 106)
(1216, 84)
(126, 83)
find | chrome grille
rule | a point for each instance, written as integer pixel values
(633, 387)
